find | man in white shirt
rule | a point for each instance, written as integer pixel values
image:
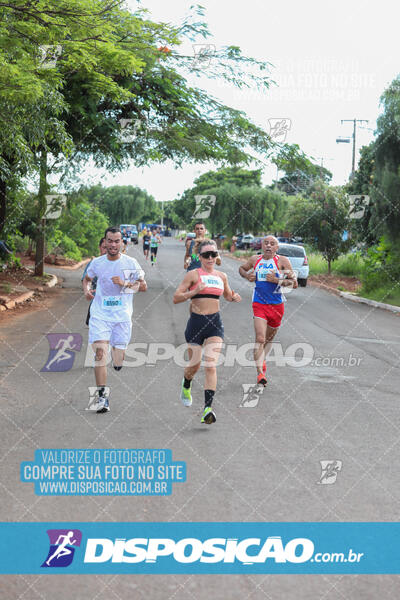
(118, 277)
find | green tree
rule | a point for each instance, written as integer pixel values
(97, 41)
(78, 230)
(299, 182)
(300, 172)
(241, 204)
(83, 32)
(180, 212)
(321, 220)
(364, 175)
(111, 68)
(123, 204)
(233, 175)
(363, 229)
(385, 191)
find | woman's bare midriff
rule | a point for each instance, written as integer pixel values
(204, 306)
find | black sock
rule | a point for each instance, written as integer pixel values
(208, 397)
(101, 390)
(117, 368)
(186, 383)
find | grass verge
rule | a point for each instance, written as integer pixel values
(350, 265)
(388, 295)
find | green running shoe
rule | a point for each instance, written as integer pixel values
(186, 395)
(208, 416)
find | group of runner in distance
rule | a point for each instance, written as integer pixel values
(111, 279)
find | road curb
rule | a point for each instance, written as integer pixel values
(72, 267)
(18, 300)
(27, 295)
(52, 282)
(374, 303)
(323, 286)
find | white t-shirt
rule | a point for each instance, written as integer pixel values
(112, 302)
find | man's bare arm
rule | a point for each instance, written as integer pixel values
(246, 267)
(187, 255)
(291, 279)
(86, 287)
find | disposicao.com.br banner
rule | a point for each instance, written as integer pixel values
(199, 548)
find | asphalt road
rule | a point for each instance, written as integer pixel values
(259, 462)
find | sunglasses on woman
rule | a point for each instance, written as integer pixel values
(209, 254)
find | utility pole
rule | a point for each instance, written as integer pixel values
(162, 213)
(321, 158)
(276, 178)
(353, 160)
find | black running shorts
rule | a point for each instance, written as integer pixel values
(201, 327)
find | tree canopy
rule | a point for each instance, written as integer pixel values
(123, 203)
(241, 203)
(321, 219)
(90, 80)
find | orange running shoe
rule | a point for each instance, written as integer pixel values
(261, 379)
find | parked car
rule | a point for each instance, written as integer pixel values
(245, 242)
(239, 238)
(298, 259)
(297, 240)
(131, 231)
(256, 243)
(134, 235)
(290, 240)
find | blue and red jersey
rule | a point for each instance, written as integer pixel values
(266, 292)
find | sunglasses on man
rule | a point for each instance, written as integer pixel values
(209, 254)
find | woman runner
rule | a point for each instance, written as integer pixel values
(204, 287)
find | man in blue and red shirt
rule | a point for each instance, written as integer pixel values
(270, 272)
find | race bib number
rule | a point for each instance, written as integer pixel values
(112, 301)
(262, 272)
(214, 282)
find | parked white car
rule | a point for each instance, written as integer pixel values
(245, 241)
(298, 259)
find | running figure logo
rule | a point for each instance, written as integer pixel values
(203, 54)
(132, 276)
(358, 205)
(278, 129)
(330, 470)
(49, 55)
(94, 396)
(251, 395)
(62, 351)
(61, 551)
(204, 204)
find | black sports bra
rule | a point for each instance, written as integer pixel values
(206, 296)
